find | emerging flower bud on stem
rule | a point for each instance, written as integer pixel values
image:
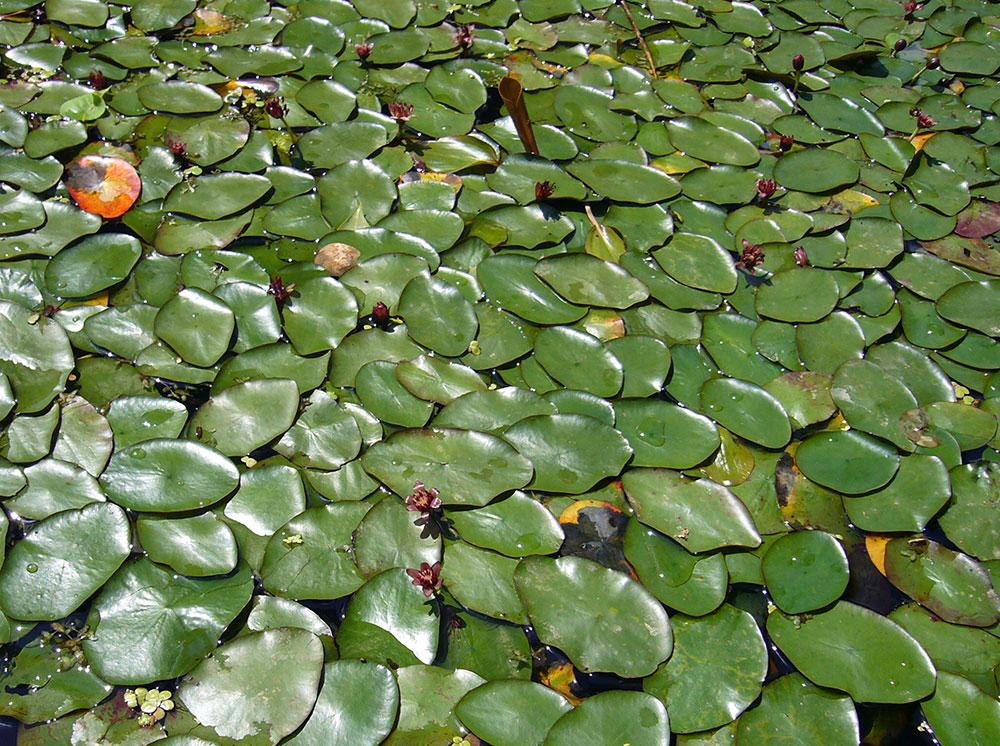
(924, 121)
(275, 107)
(766, 189)
(798, 62)
(363, 50)
(785, 143)
(751, 258)
(800, 257)
(544, 190)
(380, 317)
(400, 111)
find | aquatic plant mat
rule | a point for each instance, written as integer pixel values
(503, 372)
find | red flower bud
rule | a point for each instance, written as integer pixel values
(464, 37)
(400, 111)
(380, 316)
(544, 190)
(363, 50)
(97, 80)
(766, 188)
(800, 257)
(899, 46)
(275, 107)
(933, 63)
(798, 62)
(280, 291)
(786, 142)
(751, 258)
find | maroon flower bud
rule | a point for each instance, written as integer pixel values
(427, 577)
(909, 6)
(423, 499)
(280, 291)
(899, 46)
(766, 188)
(464, 37)
(97, 80)
(798, 62)
(380, 317)
(363, 50)
(933, 63)
(785, 143)
(800, 257)
(544, 190)
(751, 258)
(924, 121)
(175, 146)
(400, 111)
(275, 107)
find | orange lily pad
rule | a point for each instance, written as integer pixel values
(103, 185)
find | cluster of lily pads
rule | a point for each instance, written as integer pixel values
(347, 401)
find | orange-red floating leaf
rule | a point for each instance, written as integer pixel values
(103, 185)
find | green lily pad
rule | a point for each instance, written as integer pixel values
(493, 410)
(36, 358)
(168, 476)
(510, 281)
(747, 410)
(793, 295)
(872, 400)
(94, 540)
(483, 581)
(516, 526)
(586, 280)
(864, 654)
(357, 705)
(511, 712)
(953, 586)
(308, 558)
(468, 467)
(624, 181)
(797, 712)
(698, 513)
(665, 435)
(197, 546)
(433, 379)
(972, 304)
(269, 496)
(705, 141)
(805, 570)
(179, 97)
(391, 603)
(197, 325)
(246, 416)
(570, 452)
(698, 262)
(716, 670)
(916, 493)
(591, 602)
(438, 316)
(847, 461)
(579, 361)
(635, 718)
(980, 715)
(216, 196)
(815, 170)
(238, 676)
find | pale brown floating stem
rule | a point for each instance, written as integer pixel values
(513, 98)
(642, 41)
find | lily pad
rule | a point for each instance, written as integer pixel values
(591, 602)
(34, 583)
(866, 655)
(467, 467)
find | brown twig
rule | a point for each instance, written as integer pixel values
(642, 41)
(513, 98)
